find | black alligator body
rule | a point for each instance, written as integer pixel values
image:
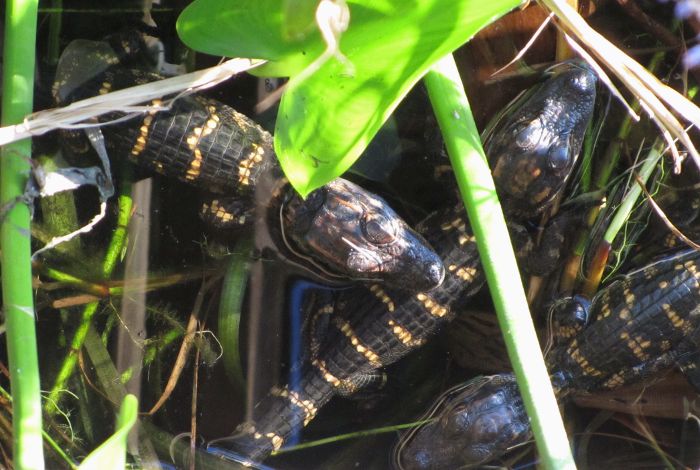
(639, 325)
(348, 232)
(368, 329)
(377, 326)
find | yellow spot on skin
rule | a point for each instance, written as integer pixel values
(383, 297)
(326, 310)
(192, 141)
(347, 330)
(663, 285)
(327, 376)
(279, 392)
(106, 88)
(431, 306)
(254, 157)
(140, 144)
(218, 211)
(636, 346)
(575, 354)
(673, 316)
(614, 381)
(276, 440)
(629, 297)
(466, 274)
(625, 314)
(457, 223)
(605, 312)
(195, 165)
(464, 239)
(308, 406)
(349, 387)
(404, 335)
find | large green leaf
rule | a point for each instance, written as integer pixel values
(281, 31)
(326, 121)
(111, 455)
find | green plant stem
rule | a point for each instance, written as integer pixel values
(17, 102)
(230, 306)
(49, 440)
(350, 435)
(113, 254)
(479, 194)
(630, 201)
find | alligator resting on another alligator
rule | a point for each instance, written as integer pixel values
(644, 323)
(340, 229)
(532, 151)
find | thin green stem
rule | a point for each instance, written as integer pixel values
(479, 194)
(17, 102)
(350, 435)
(630, 201)
(113, 255)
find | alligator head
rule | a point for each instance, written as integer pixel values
(468, 425)
(532, 148)
(355, 233)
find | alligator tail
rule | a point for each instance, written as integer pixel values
(276, 417)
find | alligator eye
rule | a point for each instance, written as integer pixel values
(529, 136)
(457, 421)
(379, 230)
(558, 157)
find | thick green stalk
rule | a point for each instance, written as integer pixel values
(479, 194)
(230, 306)
(17, 101)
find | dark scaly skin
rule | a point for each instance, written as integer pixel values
(376, 328)
(345, 230)
(533, 149)
(373, 328)
(473, 421)
(641, 324)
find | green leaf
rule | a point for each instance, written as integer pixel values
(326, 121)
(112, 453)
(282, 32)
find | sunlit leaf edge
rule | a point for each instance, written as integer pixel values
(313, 137)
(111, 454)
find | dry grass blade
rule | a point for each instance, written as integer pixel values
(123, 100)
(653, 95)
(664, 217)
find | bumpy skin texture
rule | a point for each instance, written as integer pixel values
(376, 328)
(641, 324)
(469, 423)
(207, 144)
(536, 143)
(370, 328)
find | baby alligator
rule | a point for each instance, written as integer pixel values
(376, 327)
(644, 323)
(344, 229)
